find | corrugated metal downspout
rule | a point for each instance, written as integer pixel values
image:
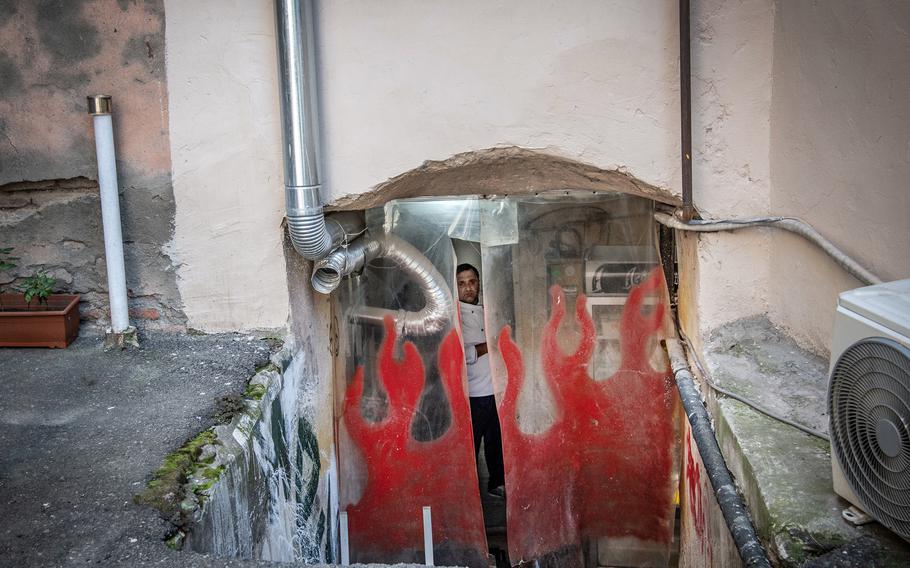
(300, 128)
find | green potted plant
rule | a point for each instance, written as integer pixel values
(37, 317)
(39, 286)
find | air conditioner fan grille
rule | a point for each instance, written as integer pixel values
(869, 410)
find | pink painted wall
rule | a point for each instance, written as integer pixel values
(52, 55)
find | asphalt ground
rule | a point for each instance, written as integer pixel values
(82, 430)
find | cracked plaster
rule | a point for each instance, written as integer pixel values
(62, 52)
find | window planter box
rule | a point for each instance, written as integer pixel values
(53, 325)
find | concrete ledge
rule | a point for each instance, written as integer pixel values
(785, 476)
(783, 473)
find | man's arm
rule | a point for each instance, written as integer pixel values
(472, 330)
(470, 355)
(474, 352)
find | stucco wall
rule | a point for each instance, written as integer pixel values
(226, 143)
(403, 82)
(52, 55)
(731, 101)
(406, 81)
(840, 153)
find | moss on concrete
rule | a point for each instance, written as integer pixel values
(213, 472)
(255, 391)
(227, 406)
(267, 367)
(785, 476)
(176, 542)
(166, 490)
(275, 340)
(185, 476)
(180, 488)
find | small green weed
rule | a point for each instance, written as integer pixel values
(40, 286)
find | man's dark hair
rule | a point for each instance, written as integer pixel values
(465, 266)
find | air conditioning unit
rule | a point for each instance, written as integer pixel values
(869, 402)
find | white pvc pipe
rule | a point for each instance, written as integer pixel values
(428, 536)
(345, 550)
(110, 214)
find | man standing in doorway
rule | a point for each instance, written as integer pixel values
(484, 418)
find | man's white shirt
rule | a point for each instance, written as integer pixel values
(480, 379)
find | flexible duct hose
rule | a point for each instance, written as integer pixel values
(434, 317)
(436, 314)
(791, 224)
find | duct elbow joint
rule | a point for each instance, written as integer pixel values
(309, 235)
(306, 222)
(344, 261)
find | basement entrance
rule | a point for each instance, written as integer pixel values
(575, 305)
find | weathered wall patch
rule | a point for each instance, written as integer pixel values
(53, 54)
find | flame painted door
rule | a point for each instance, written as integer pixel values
(588, 406)
(577, 303)
(405, 438)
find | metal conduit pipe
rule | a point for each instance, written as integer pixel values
(750, 549)
(435, 316)
(791, 224)
(300, 129)
(685, 108)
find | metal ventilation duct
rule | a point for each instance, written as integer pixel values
(300, 129)
(310, 235)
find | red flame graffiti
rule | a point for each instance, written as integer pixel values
(603, 468)
(697, 503)
(404, 474)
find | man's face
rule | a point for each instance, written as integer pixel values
(468, 286)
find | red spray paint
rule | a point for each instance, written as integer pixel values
(404, 474)
(697, 504)
(603, 468)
